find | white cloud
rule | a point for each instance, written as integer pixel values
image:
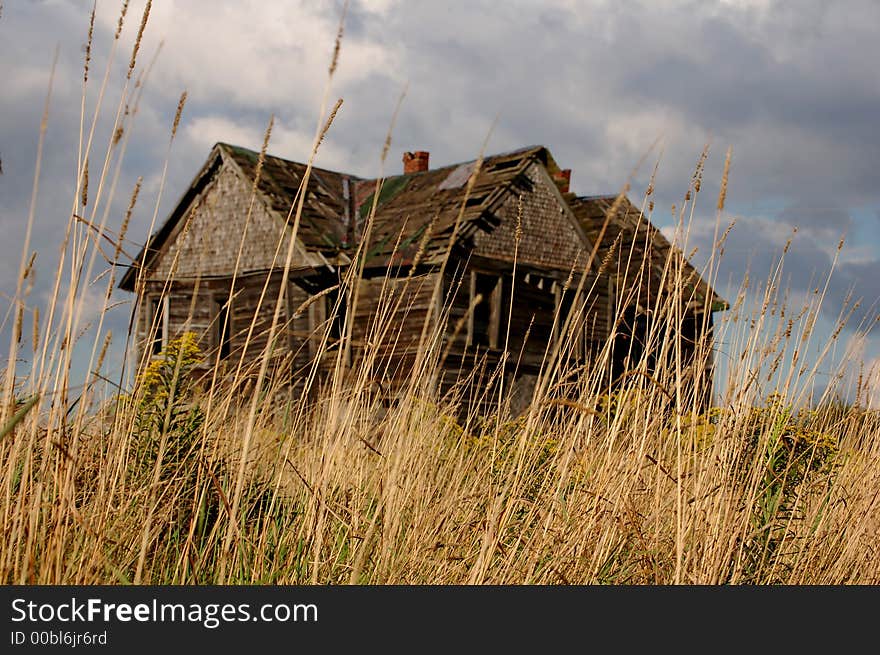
(204, 131)
(251, 54)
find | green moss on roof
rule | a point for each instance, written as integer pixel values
(390, 188)
(245, 152)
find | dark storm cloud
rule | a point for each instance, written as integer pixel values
(810, 264)
(817, 217)
(794, 92)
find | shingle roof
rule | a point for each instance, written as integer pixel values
(630, 239)
(421, 209)
(321, 226)
(424, 207)
(408, 205)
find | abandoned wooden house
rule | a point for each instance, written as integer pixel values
(490, 263)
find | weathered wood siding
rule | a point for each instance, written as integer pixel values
(249, 320)
(389, 321)
(207, 240)
(549, 236)
(183, 315)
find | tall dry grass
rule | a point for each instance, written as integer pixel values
(164, 481)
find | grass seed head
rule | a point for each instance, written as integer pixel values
(178, 113)
(121, 19)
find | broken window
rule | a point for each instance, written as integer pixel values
(327, 316)
(573, 312)
(222, 326)
(488, 315)
(156, 323)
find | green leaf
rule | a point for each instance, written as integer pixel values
(19, 415)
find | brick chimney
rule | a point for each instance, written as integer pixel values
(563, 180)
(415, 162)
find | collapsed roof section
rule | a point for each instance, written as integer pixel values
(631, 246)
(421, 211)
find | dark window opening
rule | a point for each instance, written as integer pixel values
(222, 327)
(574, 333)
(530, 314)
(511, 163)
(631, 343)
(584, 335)
(156, 324)
(488, 316)
(690, 330)
(337, 308)
(317, 319)
(336, 313)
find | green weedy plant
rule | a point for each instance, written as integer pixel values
(169, 421)
(166, 405)
(792, 458)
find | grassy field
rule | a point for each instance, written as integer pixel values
(235, 481)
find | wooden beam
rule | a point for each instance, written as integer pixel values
(557, 309)
(495, 313)
(472, 294)
(317, 321)
(288, 297)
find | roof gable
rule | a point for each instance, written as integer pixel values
(419, 212)
(202, 234)
(322, 224)
(151, 249)
(427, 207)
(632, 240)
(536, 227)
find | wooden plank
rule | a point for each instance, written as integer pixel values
(317, 325)
(495, 313)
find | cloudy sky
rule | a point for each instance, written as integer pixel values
(793, 88)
